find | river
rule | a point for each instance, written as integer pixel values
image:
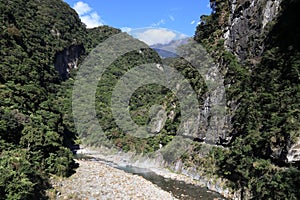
(179, 189)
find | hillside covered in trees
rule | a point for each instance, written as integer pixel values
(262, 80)
(43, 43)
(36, 125)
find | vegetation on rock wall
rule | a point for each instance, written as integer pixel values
(36, 122)
(141, 103)
(36, 126)
(266, 121)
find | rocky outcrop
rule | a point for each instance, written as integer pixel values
(213, 111)
(248, 25)
(68, 59)
(294, 153)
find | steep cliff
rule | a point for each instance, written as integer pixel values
(68, 59)
(256, 45)
(248, 24)
(249, 32)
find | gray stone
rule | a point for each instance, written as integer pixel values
(68, 59)
(247, 26)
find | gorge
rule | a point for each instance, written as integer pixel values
(242, 134)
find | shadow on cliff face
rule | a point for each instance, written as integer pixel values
(68, 59)
(285, 34)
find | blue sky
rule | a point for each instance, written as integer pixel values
(178, 16)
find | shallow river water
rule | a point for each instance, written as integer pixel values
(179, 189)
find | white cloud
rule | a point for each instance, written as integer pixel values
(182, 36)
(126, 29)
(156, 36)
(160, 22)
(193, 22)
(82, 8)
(92, 20)
(172, 18)
(89, 18)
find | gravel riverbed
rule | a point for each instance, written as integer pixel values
(99, 176)
(96, 180)
(123, 159)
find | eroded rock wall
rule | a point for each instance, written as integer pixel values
(247, 27)
(68, 59)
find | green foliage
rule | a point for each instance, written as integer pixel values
(60, 163)
(96, 35)
(141, 103)
(266, 121)
(20, 177)
(36, 123)
(210, 23)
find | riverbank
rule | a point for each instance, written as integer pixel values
(123, 159)
(96, 180)
(99, 177)
(157, 164)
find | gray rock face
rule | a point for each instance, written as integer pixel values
(248, 25)
(244, 36)
(68, 59)
(213, 115)
(294, 153)
(245, 32)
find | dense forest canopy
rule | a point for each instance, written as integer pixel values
(36, 126)
(266, 122)
(36, 122)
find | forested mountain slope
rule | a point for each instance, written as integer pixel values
(257, 47)
(36, 126)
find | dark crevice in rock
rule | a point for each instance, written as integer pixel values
(68, 59)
